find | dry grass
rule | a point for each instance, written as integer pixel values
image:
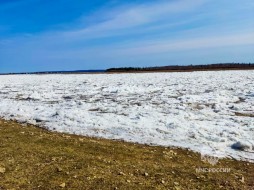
(33, 158)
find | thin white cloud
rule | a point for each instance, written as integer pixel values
(163, 46)
(133, 19)
(166, 46)
(136, 16)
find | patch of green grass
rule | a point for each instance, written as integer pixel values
(33, 158)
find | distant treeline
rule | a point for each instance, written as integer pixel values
(220, 66)
(171, 68)
(56, 72)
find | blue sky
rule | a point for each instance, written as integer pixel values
(40, 35)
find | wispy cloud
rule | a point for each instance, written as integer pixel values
(163, 46)
(123, 20)
(133, 17)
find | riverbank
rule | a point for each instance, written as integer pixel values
(34, 158)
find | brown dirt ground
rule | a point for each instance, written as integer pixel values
(33, 158)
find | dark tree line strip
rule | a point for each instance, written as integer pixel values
(220, 66)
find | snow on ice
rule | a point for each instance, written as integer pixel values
(210, 112)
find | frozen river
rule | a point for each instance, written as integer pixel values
(211, 112)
